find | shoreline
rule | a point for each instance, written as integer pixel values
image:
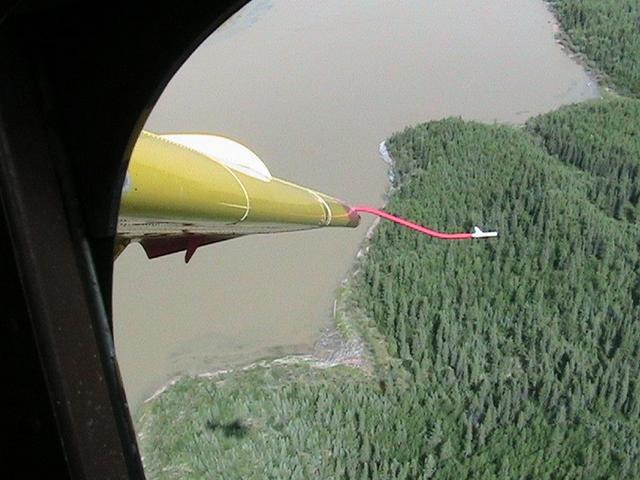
(600, 78)
(341, 344)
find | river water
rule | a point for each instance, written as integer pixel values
(313, 87)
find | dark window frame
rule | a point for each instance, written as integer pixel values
(76, 88)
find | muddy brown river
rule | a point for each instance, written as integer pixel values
(313, 87)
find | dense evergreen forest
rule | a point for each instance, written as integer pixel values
(507, 358)
(607, 32)
(602, 139)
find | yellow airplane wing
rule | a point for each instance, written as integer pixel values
(183, 191)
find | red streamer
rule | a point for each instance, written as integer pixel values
(414, 226)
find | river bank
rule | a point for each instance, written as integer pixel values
(603, 40)
(573, 52)
(351, 341)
